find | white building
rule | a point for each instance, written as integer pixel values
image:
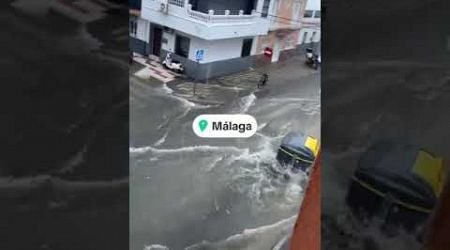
(215, 37)
(310, 31)
(211, 37)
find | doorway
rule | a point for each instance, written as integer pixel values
(276, 50)
(246, 47)
(305, 35)
(157, 37)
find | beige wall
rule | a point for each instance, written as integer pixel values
(289, 13)
(284, 30)
(288, 39)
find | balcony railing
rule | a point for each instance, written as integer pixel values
(179, 3)
(227, 16)
(212, 25)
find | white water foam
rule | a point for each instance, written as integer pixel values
(308, 105)
(281, 243)
(251, 177)
(262, 126)
(17, 187)
(202, 148)
(161, 140)
(292, 99)
(74, 162)
(156, 247)
(38, 8)
(246, 102)
(264, 237)
(189, 104)
(357, 236)
(83, 39)
(213, 164)
(166, 89)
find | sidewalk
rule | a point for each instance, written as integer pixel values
(150, 68)
(222, 89)
(219, 90)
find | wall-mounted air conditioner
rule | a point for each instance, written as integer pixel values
(164, 6)
(168, 30)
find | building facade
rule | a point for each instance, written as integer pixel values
(215, 37)
(310, 32)
(139, 29)
(284, 27)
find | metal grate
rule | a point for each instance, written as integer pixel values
(179, 3)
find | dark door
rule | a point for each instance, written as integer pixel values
(157, 36)
(246, 47)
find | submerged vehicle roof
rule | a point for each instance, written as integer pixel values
(301, 143)
(403, 167)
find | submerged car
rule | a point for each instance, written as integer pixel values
(398, 183)
(298, 151)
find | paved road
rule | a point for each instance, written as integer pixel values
(185, 190)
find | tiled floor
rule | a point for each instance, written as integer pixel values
(154, 69)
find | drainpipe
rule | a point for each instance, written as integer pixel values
(196, 77)
(210, 15)
(306, 234)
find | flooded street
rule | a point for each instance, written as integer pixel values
(421, 88)
(388, 89)
(194, 192)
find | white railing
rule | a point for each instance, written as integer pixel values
(179, 3)
(198, 15)
(209, 25)
(227, 17)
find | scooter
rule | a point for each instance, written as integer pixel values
(313, 62)
(312, 59)
(317, 62)
(263, 81)
(171, 64)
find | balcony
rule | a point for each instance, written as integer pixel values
(134, 4)
(277, 23)
(210, 25)
(311, 18)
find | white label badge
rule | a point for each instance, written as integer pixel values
(224, 126)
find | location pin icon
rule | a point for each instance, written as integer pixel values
(202, 125)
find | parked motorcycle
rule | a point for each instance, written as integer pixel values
(312, 59)
(171, 64)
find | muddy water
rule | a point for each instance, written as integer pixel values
(186, 190)
(406, 98)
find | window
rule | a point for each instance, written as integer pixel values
(246, 47)
(317, 14)
(308, 13)
(296, 11)
(305, 35)
(274, 11)
(313, 36)
(265, 8)
(182, 46)
(133, 27)
(179, 3)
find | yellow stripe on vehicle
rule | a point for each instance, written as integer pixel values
(312, 144)
(295, 156)
(396, 201)
(431, 170)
